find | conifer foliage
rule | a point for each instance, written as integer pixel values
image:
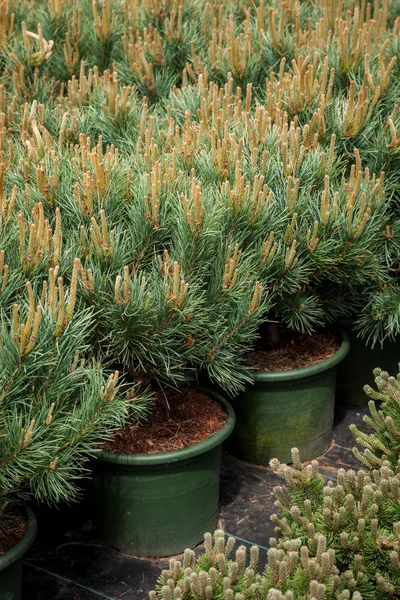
(291, 573)
(358, 518)
(209, 166)
(383, 444)
(56, 407)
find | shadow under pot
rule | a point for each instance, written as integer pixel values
(11, 561)
(288, 409)
(154, 505)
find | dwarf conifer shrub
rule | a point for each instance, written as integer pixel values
(56, 405)
(359, 517)
(290, 573)
(338, 540)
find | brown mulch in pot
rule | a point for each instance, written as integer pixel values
(12, 529)
(295, 350)
(179, 419)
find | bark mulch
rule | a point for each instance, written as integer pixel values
(294, 351)
(179, 419)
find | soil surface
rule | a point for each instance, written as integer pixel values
(295, 350)
(179, 419)
(13, 528)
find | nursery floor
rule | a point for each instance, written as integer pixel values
(68, 562)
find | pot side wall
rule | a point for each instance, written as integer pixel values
(10, 581)
(273, 417)
(11, 561)
(158, 510)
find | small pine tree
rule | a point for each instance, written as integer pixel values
(360, 515)
(56, 407)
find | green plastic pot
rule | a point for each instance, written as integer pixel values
(159, 504)
(287, 409)
(356, 369)
(11, 562)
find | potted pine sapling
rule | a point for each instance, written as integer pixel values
(336, 540)
(331, 87)
(279, 167)
(324, 294)
(364, 117)
(318, 234)
(373, 323)
(55, 412)
(165, 309)
(158, 484)
(158, 319)
(314, 273)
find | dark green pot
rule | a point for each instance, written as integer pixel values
(159, 504)
(287, 409)
(356, 369)
(11, 562)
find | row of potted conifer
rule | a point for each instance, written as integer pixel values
(193, 199)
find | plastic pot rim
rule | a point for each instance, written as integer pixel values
(173, 456)
(309, 371)
(21, 547)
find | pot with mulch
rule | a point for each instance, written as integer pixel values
(356, 370)
(157, 486)
(16, 537)
(291, 401)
